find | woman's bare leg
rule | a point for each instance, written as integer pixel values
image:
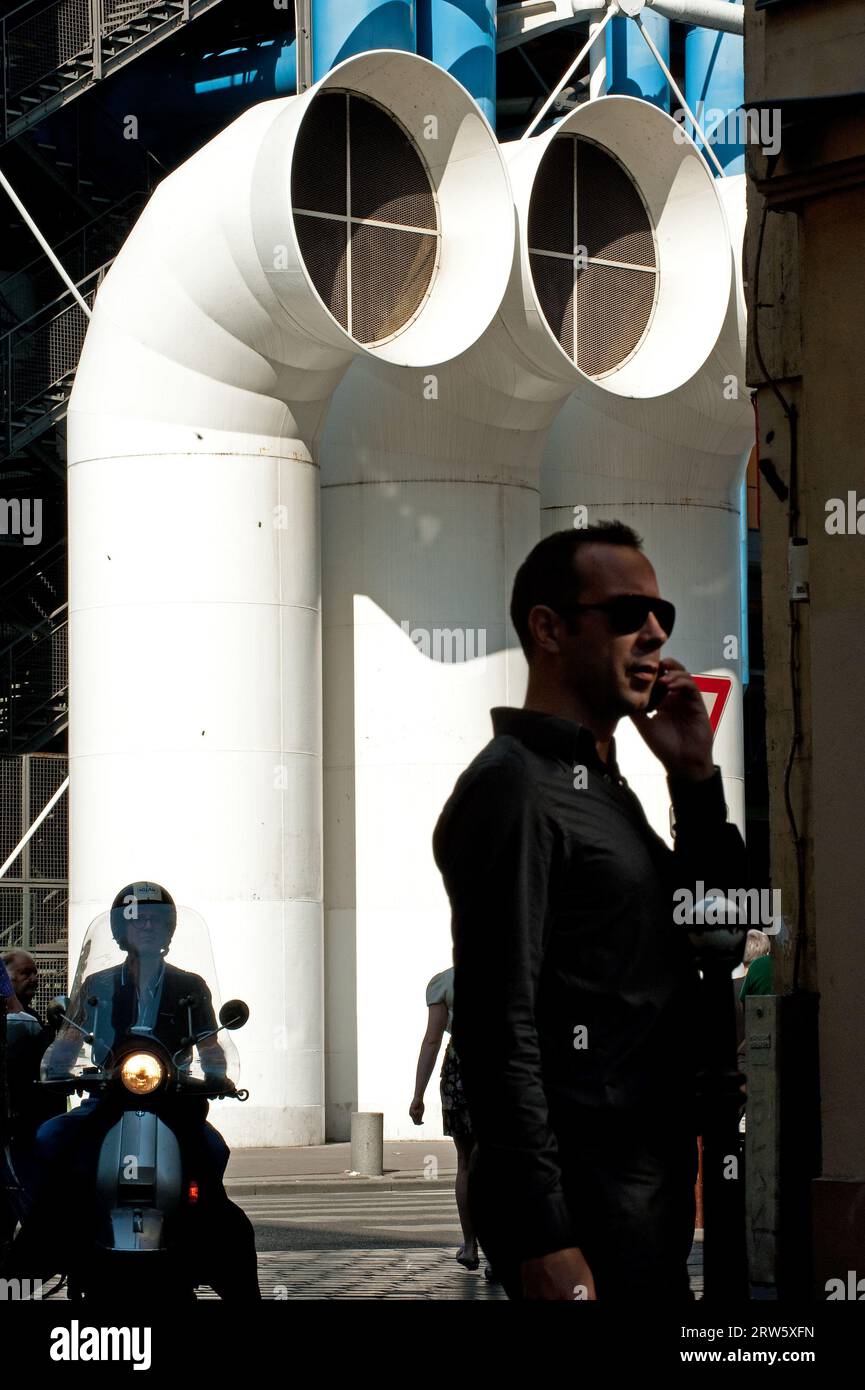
(464, 1147)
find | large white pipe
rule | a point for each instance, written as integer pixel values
(430, 501)
(672, 468)
(711, 14)
(217, 339)
(518, 23)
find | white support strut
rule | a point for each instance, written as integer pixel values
(517, 24)
(707, 148)
(46, 811)
(593, 38)
(67, 280)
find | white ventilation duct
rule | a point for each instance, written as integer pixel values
(672, 468)
(430, 501)
(314, 229)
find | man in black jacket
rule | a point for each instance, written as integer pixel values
(29, 1106)
(576, 999)
(28, 1037)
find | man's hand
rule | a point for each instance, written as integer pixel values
(561, 1276)
(416, 1110)
(679, 734)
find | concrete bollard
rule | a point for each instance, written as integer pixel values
(367, 1143)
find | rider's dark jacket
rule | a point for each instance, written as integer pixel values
(184, 997)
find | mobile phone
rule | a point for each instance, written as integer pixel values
(657, 697)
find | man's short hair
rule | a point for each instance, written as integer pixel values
(547, 575)
(757, 944)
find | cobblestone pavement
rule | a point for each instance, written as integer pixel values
(420, 1214)
(370, 1245)
(423, 1274)
(366, 1219)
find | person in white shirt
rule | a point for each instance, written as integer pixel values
(455, 1115)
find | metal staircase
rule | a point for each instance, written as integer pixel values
(34, 669)
(52, 52)
(35, 888)
(41, 332)
(38, 359)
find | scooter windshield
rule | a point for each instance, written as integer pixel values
(145, 972)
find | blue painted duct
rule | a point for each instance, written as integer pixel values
(341, 28)
(632, 69)
(714, 88)
(744, 654)
(715, 77)
(460, 36)
(270, 65)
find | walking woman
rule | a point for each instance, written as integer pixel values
(457, 1123)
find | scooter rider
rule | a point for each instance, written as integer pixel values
(146, 992)
(143, 992)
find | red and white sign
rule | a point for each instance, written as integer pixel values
(716, 692)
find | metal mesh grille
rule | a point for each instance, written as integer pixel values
(613, 223)
(356, 174)
(34, 695)
(33, 893)
(613, 309)
(318, 168)
(595, 303)
(323, 247)
(554, 283)
(33, 917)
(10, 812)
(390, 273)
(60, 658)
(11, 915)
(53, 980)
(388, 180)
(48, 847)
(46, 357)
(551, 210)
(43, 42)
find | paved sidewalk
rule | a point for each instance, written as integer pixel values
(327, 1168)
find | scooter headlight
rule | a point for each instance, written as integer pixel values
(141, 1073)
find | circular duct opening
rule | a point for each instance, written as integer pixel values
(365, 214)
(593, 254)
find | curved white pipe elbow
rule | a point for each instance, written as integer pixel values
(210, 316)
(216, 341)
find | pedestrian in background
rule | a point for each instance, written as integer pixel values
(28, 1105)
(455, 1115)
(758, 965)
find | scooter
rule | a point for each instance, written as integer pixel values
(144, 1208)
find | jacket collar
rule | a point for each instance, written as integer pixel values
(554, 737)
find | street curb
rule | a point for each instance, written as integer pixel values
(277, 1187)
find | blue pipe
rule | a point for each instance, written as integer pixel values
(632, 69)
(211, 88)
(715, 77)
(460, 36)
(341, 28)
(271, 66)
(744, 653)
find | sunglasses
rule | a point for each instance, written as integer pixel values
(628, 612)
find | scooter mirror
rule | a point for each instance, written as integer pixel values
(56, 1010)
(233, 1013)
